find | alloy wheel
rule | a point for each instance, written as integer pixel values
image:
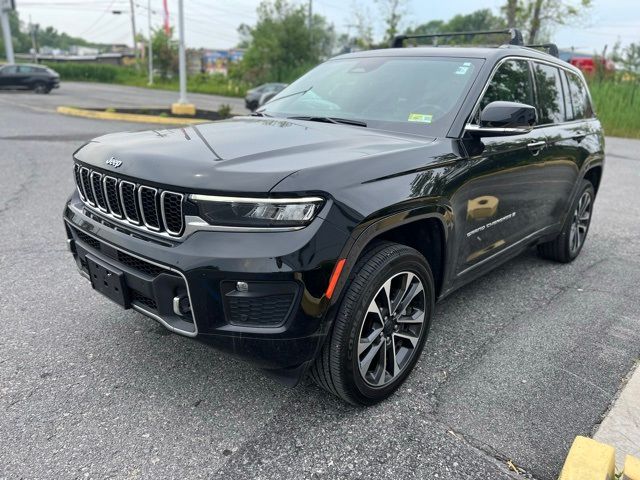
(391, 329)
(580, 223)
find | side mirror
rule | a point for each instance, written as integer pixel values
(504, 118)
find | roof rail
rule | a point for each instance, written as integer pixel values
(551, 48)
(514, 33)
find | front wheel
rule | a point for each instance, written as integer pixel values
(380, 328)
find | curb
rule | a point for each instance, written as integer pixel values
(128, 117)
(591, 460)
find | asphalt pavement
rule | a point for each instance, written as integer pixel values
(517, 364)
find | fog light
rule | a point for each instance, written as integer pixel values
(242, 286)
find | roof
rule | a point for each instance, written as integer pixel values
(487, 53)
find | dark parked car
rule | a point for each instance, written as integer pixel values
(315, 236)
(28, 77)
(256, 97)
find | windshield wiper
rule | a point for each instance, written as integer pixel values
(344, 121)
(259, 114)
(301, 92)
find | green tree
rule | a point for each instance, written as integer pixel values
(392, 12)
(165, 53)
(281, 46)
(21, 40)
(537, 17)
(482, 19)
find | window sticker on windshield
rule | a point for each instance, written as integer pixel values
(462, 70)
(420, 117)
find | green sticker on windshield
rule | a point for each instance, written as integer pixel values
(420, 117)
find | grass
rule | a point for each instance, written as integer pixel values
(617, 104)
(94, 72)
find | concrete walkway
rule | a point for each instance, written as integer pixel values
(621, 426)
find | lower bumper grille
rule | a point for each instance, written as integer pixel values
(262, 304)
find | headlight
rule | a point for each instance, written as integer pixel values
(257, 212)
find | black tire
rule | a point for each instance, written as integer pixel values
(338, 366)
(41, 87)
(566, 246)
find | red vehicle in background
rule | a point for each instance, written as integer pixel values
(586, 62)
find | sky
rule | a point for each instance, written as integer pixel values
(213, 23)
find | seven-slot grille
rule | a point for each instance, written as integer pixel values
(139, 205)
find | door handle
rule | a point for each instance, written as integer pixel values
(535, 147)
(579, 137)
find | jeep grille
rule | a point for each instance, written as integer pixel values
(139, 205)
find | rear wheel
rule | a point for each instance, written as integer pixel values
(567, 246)
(380, 328)
(41, 87)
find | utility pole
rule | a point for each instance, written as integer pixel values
(150, 43)
(32, 31)
(183, 107)
(5, 7)
(310, 15)
(133, 29)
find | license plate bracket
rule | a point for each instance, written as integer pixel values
(109, 281)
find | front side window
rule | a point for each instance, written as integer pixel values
(412, 94)
(579, 97)
(510, 83)
(550, 97)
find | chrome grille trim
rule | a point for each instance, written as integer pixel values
(115, 201)
(135, 203)
(99, 194)
(122, 201)
(88, 192)
(78, 179)
(164, 216)
(141, 208)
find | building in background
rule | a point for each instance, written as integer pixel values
(218, 61)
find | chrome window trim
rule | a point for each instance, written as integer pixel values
(144, 220)
(528, 59)
(136, 306)
(164, 217)
(93, 189)
(124, 210)
(106, 196)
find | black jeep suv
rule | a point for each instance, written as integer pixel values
(315, 236)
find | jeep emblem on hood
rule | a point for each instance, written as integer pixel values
(114, 162)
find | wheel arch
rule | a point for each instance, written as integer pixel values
(594, 175)
(426, 230)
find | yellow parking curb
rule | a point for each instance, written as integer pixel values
(128, 117)
(631, 468)
(589, 460)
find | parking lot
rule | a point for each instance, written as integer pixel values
(517, 363)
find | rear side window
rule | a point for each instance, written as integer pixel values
(510, 83)
(25, 69)
(550, 98)
(579, 97)
(10, 69)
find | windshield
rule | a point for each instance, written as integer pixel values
(410, 94)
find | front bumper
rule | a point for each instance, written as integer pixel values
(287, 271)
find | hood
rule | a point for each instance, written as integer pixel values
(245, 154)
